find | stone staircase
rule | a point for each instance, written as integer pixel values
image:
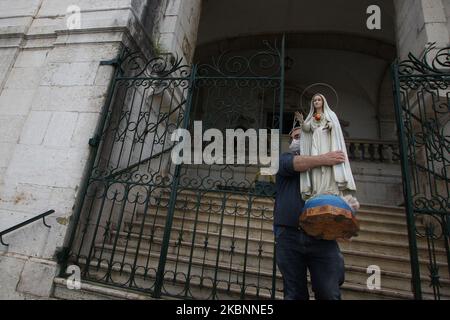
(215, 241)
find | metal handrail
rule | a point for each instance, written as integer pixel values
(22, 224)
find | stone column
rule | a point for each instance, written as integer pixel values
(178, 29)
(420, 22)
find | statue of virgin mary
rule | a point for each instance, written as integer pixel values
(322, 133)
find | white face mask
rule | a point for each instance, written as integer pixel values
(295, 145)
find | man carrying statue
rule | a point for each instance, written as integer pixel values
(314, 206)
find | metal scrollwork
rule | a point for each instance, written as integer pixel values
(185, 230)
(136, 65)
(265, 63)
(423, 118)
(439, 64)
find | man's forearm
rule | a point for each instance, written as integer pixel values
(305, 163)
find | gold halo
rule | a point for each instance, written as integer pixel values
(335, 107)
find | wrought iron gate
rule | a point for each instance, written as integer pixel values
(422, 105)
(189, 231)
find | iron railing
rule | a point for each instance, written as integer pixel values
(23, 224)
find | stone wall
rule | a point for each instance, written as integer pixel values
(178, 32)
(52, 90)
(420, 22)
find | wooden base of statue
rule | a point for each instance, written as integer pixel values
(329, 223)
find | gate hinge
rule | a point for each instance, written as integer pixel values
(94, 141)
(112, 62)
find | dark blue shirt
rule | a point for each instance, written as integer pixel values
(288, 201)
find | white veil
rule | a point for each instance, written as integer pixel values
(342, 172)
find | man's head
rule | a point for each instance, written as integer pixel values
(295, 135)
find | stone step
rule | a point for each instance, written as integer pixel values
(180, 268)
(353, 288)
(240, 198)
(388, 262)
(219, 195)
(368, 222)
(212, 223)
(390, 248)
(382, 241)
(390, 230)
(201, 286)
(266, 209)
(385, 208)
(367, 240)
(244, 199)
(94, 291)
(218, 206)
(266, 245)
(393, 280)
(257, 219)
(264, 259)
(130, 241)
(370, 228)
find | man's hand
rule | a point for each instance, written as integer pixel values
(305, 163)
(299, 117)
(333, 158)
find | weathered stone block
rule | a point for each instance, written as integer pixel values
(2, 173)
(173, 7)
(6, 151)
(85, 129)
(7, 57)
(14, 25)
(10, 128)
(35, 127)
(48, 166)
(59, 7)
(16, 101)
(433, 11)
(18, 8)
(70, 74)
(11, 268)
(169, 24)
(31, 58)
(37, 277)
(104, 76)
(24, 78)
(47, 26)
(77, 98)
(35, 199)
(83, 53)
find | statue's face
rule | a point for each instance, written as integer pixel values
(318, 102)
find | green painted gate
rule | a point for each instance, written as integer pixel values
(422, 105)
(189, 231)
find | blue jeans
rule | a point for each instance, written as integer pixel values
(296, 252)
